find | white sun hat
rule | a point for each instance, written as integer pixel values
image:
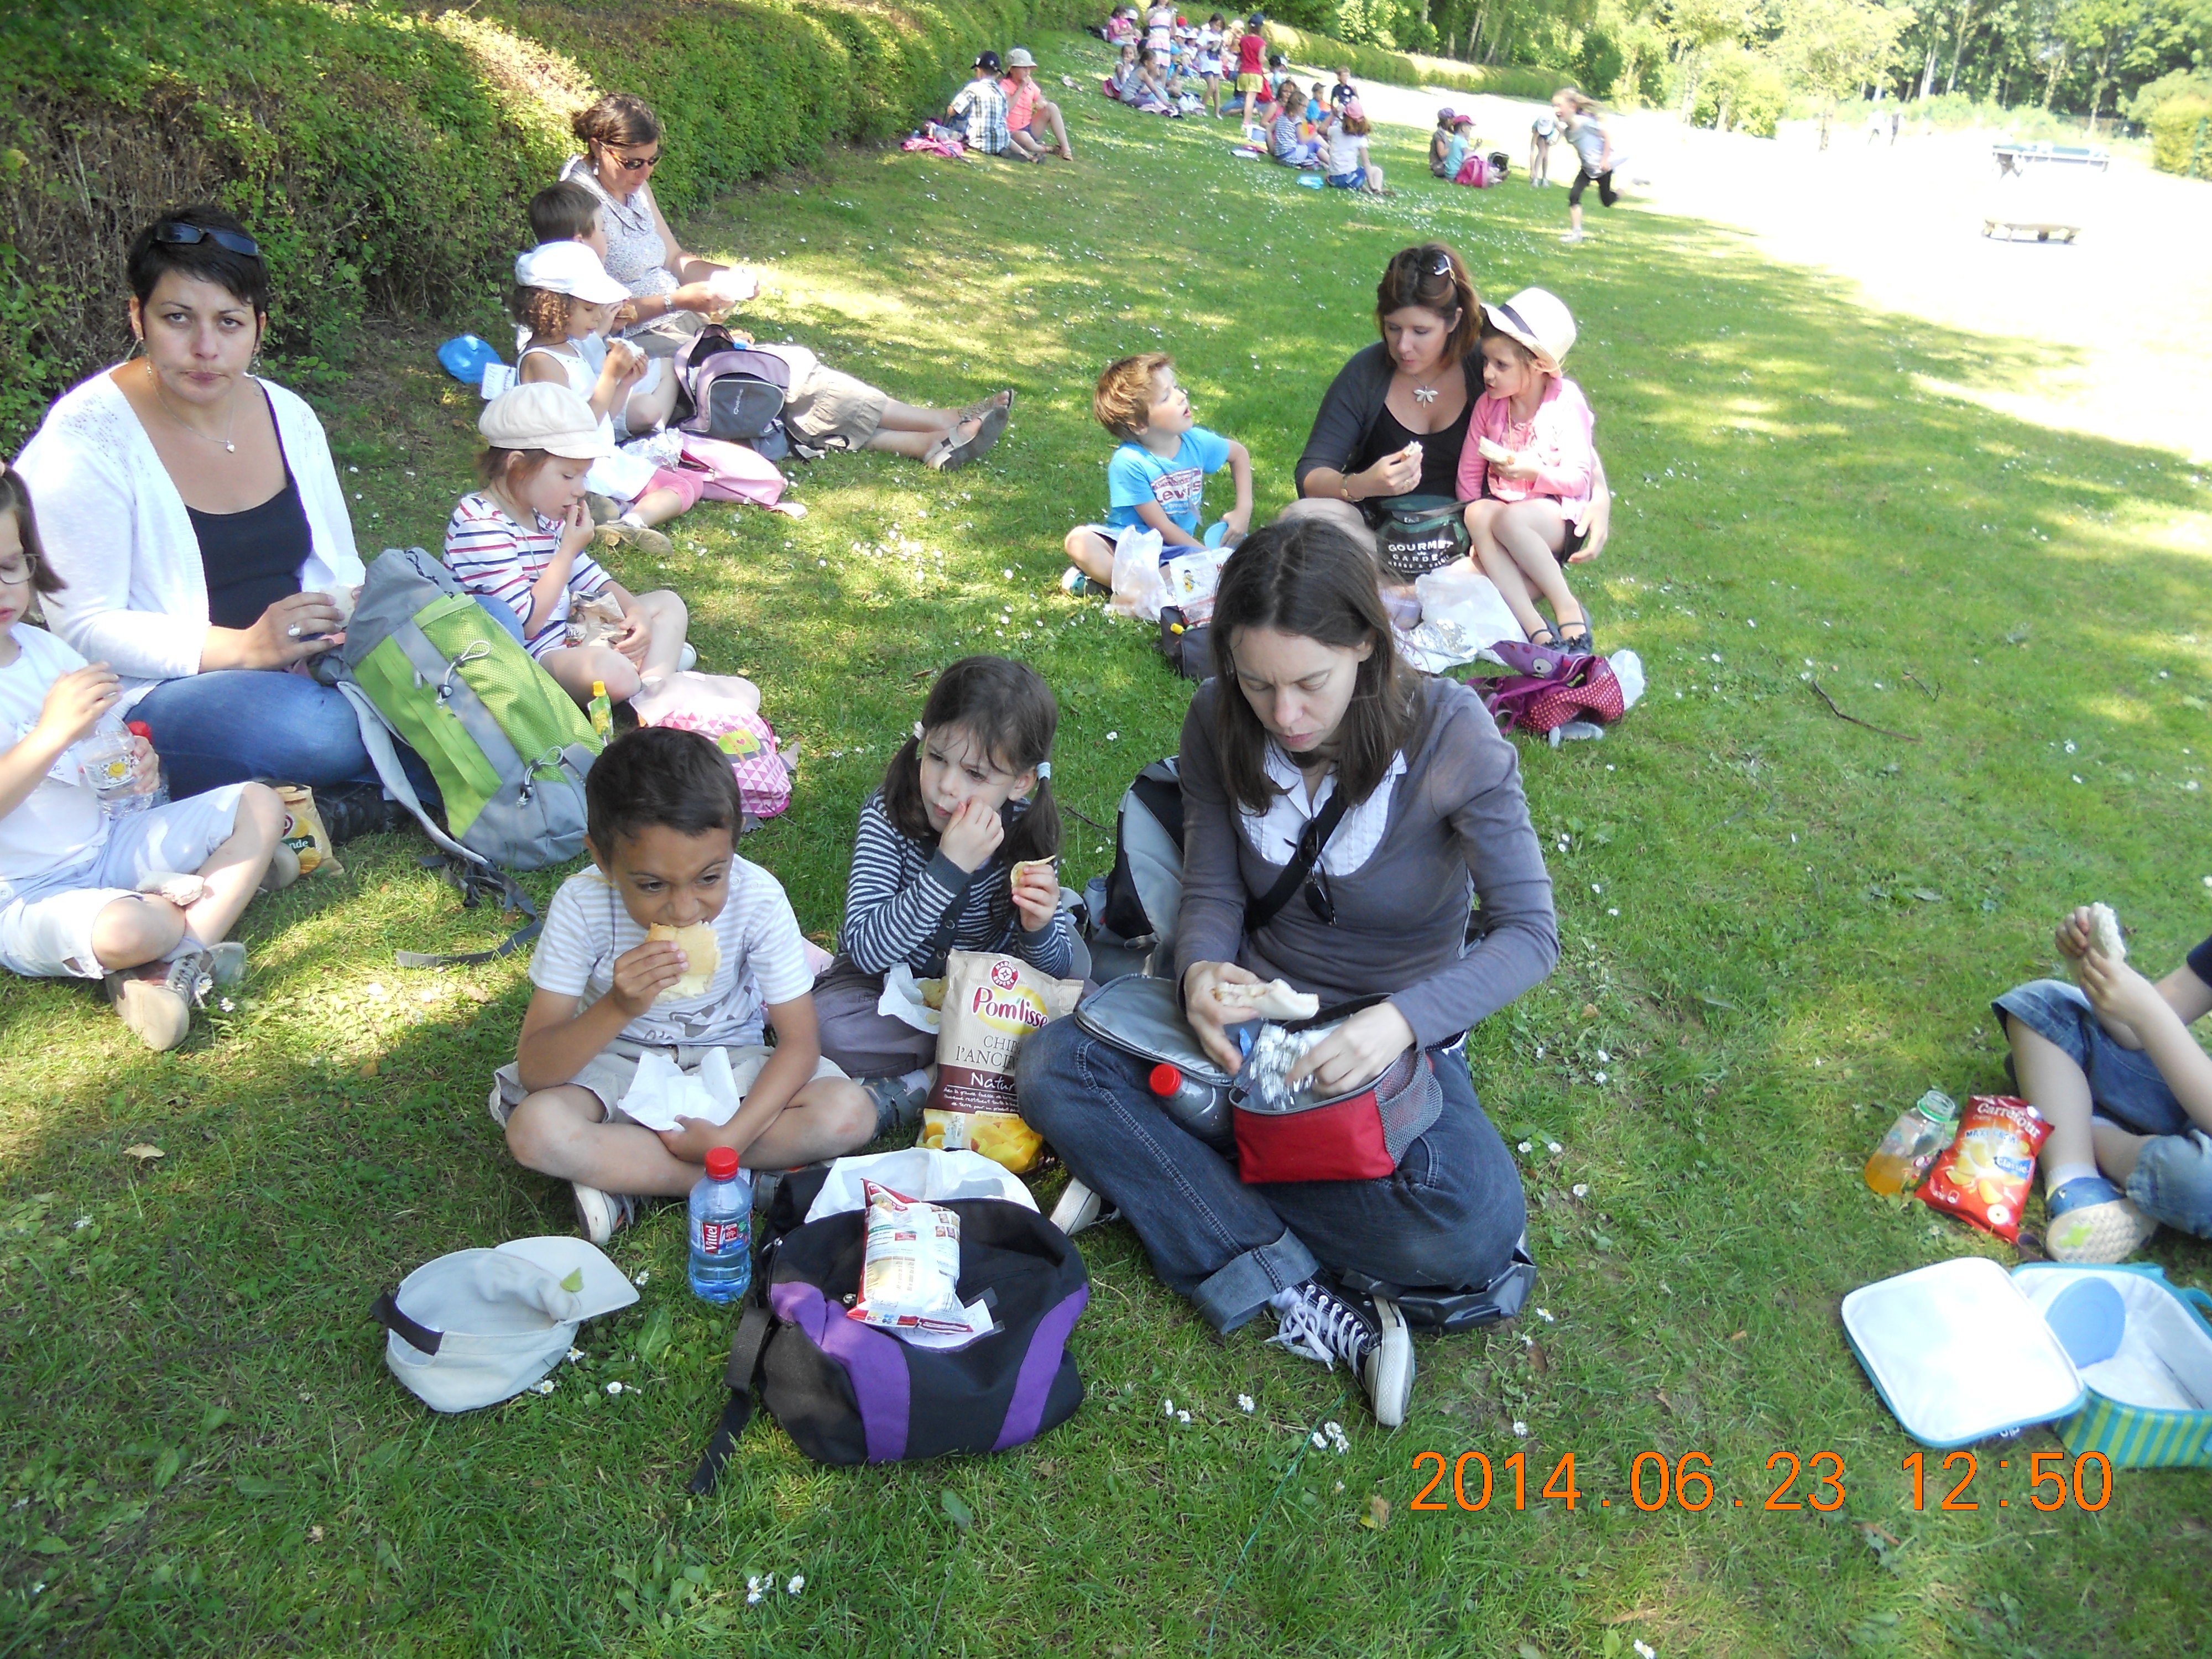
(478, 1326)
(1539, 320)
(568, 268)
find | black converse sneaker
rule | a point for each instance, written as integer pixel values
(1372, 1337)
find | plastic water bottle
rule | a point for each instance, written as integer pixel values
(1920, 1133)
(722, 1228)
(159, 794)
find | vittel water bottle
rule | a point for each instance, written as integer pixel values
(722, 1228)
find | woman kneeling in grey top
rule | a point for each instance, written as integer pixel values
(1310, 697)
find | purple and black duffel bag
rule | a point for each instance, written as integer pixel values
(850, 1393)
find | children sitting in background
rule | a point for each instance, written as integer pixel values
(567, 212)
(1157, 478)
(518, 545)
(565, 298)
(142, 900)
(1459, 149)
(1529, 456)
(1349, 165)
(981, 106)
(1147, 88)
(2127, 1090)
(1440, 142)
(662, 816)
(1032, 120)
(1286, 140)
(955, 851)
(1121, 25)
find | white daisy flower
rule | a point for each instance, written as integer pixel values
(1244, 1404)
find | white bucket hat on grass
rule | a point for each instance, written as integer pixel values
(478, 1326)
(1539, 320)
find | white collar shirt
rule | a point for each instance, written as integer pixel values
(1274, 833)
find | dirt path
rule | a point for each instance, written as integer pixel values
(2121, 320)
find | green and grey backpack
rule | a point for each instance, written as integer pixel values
(424, 663)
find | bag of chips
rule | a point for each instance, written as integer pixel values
(1988, 1172)
(910, 1273)
(992, 1005)
(303, 828)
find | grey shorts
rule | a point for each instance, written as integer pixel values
(2173, 1177)
(45, 925)
(608, 1075)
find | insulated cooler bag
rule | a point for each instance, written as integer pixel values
(2116, 1359)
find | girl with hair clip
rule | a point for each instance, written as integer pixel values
(1315, 743)
(956, 851)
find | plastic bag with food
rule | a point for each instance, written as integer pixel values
(1986, 1176)
(910, 1275)
(992, 1005)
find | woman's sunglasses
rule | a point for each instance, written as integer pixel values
(638, 163)
(178, 233)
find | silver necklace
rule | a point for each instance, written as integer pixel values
(1427, 394)
(153, 380)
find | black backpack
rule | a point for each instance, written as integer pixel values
(849, 1393)
(727, 389)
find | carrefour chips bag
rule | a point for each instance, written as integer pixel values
(1986, 1175)
(992, 1005)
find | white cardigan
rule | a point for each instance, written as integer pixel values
(116, 530)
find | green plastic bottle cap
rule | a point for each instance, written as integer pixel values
(1936, 1107)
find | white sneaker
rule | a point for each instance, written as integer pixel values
(155, 1002)
(1079, 1207)
(1322, 1324)
(601, 1215)
(2088, 1221)
(1575, 236)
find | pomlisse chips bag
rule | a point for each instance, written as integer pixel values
(993, 1004)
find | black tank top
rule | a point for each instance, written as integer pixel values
(253, 559)
(1439, 451)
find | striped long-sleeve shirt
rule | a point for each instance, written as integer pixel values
(906, 902)
(490, 553)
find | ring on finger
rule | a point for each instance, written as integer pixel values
(294, 630)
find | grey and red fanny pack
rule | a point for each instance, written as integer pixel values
(1280, 1135)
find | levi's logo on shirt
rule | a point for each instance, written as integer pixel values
(1184, 486)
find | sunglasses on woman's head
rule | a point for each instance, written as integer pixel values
(176, 232)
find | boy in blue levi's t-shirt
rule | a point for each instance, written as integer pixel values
(1157, 478)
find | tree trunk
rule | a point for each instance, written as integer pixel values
(1927, 74)
(2050, 82)
(1690, 89)
(1958, 46)
(1721, 115)
(1825, 112)
(2097, 96)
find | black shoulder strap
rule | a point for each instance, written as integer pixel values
(477, 883)
(1262, 910)
(744, 1364)
(385, 1312)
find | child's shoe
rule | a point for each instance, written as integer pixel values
(157, 1001)
(2088, 1220)
(1372, 1338)
(226, 962)
(601, 1215)
(1074, 581)
(603, 508)
(1079, 1207)
(898, 1108)
(283, 869)
(622, 532)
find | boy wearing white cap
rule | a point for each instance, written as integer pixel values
(1530, 459)
(519, 545)
(1031, 118)
(565, 298)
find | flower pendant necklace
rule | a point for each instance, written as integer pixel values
(1427, 394)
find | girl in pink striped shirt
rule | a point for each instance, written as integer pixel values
(1530, 460)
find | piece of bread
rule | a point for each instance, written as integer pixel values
(2104, 934)
(1274, 1000)
(702, 955)
(1493, 451)
(1028, 865)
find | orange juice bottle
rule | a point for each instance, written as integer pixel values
(1919, 1134)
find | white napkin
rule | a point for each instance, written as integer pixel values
(902, 1000)
(922, 1173)
(661, 1091)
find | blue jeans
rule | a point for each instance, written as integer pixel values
(1448, 1219)
(2173, 1177)
(240, 725)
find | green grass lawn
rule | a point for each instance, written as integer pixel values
(1777, 929)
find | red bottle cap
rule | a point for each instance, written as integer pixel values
(722, 1162)
(139, 729)
(1165, 1079)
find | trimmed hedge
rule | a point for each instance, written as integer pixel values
(1414, 70)
(382, 153)
(2181, 137)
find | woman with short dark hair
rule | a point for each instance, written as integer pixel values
(1314, 741)
(194, 513)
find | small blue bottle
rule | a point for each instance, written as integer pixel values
(722, 1228)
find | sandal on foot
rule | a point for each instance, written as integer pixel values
(951, 455)
(2088, 1220)
(1576, 639)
